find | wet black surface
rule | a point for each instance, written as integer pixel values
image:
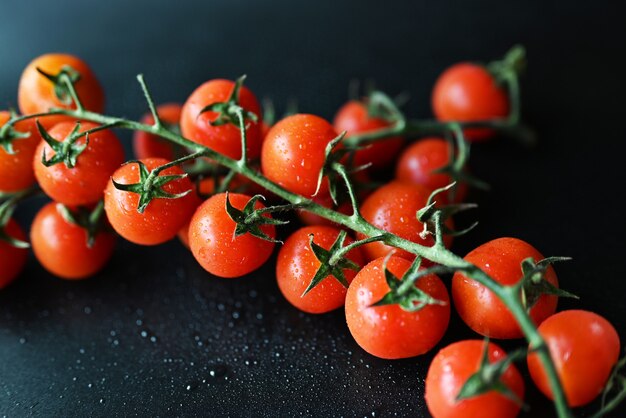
(153, 334)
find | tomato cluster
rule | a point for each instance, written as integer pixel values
(232, 232)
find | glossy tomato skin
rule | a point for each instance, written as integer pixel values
(213, 242)
(36, 93)
(61, 247)
(84, 183)
(225, 139)
(16, 170)
(162, 218)
(12, 259)
(297, 264)
(480, 308)
(293, 152)
(393, 208)
(389, 331)
(354, 119)
(146, 145)
(449, 371)
(584, 347)
(468, 92)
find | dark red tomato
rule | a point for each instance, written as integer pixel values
(468, 92)
(84, 183)
(354, 119)
(389, 331)
(61, 247)
(162, 218)
(480, 308)
(449, 371)
(393, 208)
(309, 218)
(214, 244)
(147, 145)
(12, 259)
(293, 152)
(419, 161)
(584, 347)
(297, 264)
(16, 170)
(225, 139)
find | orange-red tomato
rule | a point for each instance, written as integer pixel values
(354, 119)
(214, 244)
(389, 331)
(468, 92)
(449, 371)
(85, 182)
(480, 308)
(225, 139)
(162, 218)
(12, 259)
(297, 264)
(16, 170)
(584, 347)
(146, 145)
(61, 247)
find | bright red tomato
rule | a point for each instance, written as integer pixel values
(293, 152)
(468, 92)
(162, 218)
(146, 145)
(480, 308)
(214, 244)
(354, 119)
(84, 183)
(12, 259)
(225, 139)
(16, 170)
(584, 347)
(61, 247)
(449, 371)
(297, 265)
(389, 331)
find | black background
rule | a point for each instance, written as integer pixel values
(153, 334)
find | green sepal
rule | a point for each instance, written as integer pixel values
(514, 61)
(249, 220)
(8, 134)
(61, 89)
(66, 151)
(380, 105)
(91, 221)
(426, 215)
(330, 264)
(6, 211)
(227, 111)
(534, 284)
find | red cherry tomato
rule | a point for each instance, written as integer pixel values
(389, 331)
(214, 244)
(297, 265)
(584, 347)
(449, 371)
(354, 119)
(468, 92)
(12, 259)
(84, 183)
(480, 308)
(393, 208)
(16, 170)
(61, 247)
(146, 145)
(225, 139)
(293, 153)
(162, 218)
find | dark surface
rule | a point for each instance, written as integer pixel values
(153, 334)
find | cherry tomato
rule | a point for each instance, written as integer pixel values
(61, 247)
(389, 331)
(16, 170)
(146, 145)
(354, 119)
(584, 347)
(393, 208)
(225, 139)
(297, 265)
(449, 371)
(85, 182)
(12, 259)
(480, 308)
(162, 218)
(468, 92)
(293, 152)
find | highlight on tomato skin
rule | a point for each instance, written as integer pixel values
(16, 170)
(12, 259)
(147, 145)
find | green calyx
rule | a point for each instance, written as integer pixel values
(66, 151)
(65, 77)
(91, 221)
(249, 220)
(534, 284)
(8, 203)
(381, 106)
(230, 111)
(512, 64)
(8, 134)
